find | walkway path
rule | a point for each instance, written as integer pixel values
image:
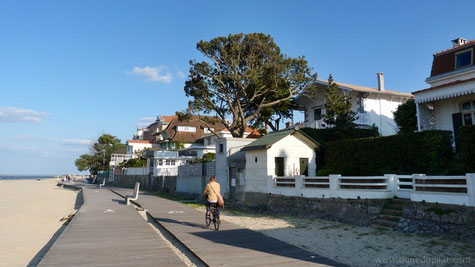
(106, 232)
(232, 245)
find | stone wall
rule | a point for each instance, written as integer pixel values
(452, 221)
(352, 211)
(192, 178)
(165, 184)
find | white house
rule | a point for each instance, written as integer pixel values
(164, 163)
(137, 146)
(278, 154)
(373, 106)
(449, 102)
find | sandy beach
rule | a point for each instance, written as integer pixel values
(30, 214)
(355, 245)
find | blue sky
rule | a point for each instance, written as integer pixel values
(72, 70)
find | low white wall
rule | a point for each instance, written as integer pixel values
(380, 187)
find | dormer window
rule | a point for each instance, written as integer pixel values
(189, 129)
(463, 58)
(208, 130)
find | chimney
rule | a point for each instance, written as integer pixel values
(380, 81)
(458, 42)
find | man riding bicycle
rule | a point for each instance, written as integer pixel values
(212, 190)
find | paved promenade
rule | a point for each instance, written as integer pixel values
(232, 245)
(106, 232)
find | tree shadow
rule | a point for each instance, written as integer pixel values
(194, 225)
(248, 239)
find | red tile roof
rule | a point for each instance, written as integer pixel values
(455, 48)
(168, 119)
(444, 85)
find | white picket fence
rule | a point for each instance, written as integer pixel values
(458, 190)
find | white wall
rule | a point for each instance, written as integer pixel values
(133, 148)
(256, 175)
(291, 149)
(231, 146)
(443, 110)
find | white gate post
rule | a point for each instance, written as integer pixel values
(334, 184)
(471, 188)
(392, 183)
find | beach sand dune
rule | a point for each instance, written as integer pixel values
(30, 214)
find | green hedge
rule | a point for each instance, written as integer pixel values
(323, 136)
(467, 146)
(421, 152)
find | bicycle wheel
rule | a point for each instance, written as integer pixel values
(207, 219)
(216, 221)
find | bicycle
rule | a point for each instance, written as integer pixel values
(213, 216)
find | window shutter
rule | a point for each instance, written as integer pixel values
(457, 123)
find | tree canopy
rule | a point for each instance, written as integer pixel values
(100, 156)
(405, 117)
(338, 107)
(246, 80)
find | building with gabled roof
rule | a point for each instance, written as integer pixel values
(449, 102)
(373, 106)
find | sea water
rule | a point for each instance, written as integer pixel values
(21, 177)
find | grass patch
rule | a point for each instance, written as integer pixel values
(168, 196)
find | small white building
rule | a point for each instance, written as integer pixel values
(373, 106)
(449, 102)
(278, 154)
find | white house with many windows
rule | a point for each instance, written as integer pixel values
(164, 163)
(449, 102)
(373, 106)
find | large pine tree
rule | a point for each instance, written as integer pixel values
(338, 107)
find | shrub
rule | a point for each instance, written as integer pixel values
(467, 146)
(422, 152)
(323, 136)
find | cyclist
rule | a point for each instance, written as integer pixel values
(212, 190)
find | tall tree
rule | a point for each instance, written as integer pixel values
(246, 79)
(100, 156)
(338, 107)
(405, 117)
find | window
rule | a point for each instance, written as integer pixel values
(170, 162)
(468, 113)
(279, 166)
(207, 130)
(463, 58)
(317, 114)
(160, 162)
(221, 148)
(189, 129)
(305, 114)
